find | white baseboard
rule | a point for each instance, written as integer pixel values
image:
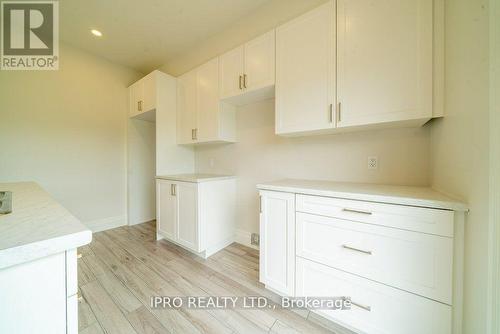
(244, 237)
(99, 225)
(142, 221)
(215, 248)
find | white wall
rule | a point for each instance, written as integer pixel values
(66, 130)
(261, 156)
(141, 171)
(460, 143)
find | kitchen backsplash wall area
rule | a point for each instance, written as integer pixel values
(260, 155)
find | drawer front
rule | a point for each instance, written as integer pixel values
(376, 308)
(71, 272)
(416, 262)
(432, 221)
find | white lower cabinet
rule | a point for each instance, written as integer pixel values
(376, 308)
(198, 216)
(277, 240)
(395, 262)
(40, 296)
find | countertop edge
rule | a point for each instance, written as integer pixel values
(194, 180)
(38, 249)
(409, 201)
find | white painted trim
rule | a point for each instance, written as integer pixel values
(217, 247)
(493, 307)
(99, 225)
(244, 237)
(142, 222)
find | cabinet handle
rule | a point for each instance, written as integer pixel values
(173, 190)
(139, 105)
(192, 134)
(195, 134)
(364, 307)
(357, 211)
(240, 82)
(338, 112)
(357, 249)
(244, 81)
(331, 113)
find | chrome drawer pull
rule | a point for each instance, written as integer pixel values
(357, 249)
(357, 211)
(364, 307)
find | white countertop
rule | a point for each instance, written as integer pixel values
(403, 195)
(196, 178)
(37, 227)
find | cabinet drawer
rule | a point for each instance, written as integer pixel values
(378, 309)
(432, 221)
(416, 262)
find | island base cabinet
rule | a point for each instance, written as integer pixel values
(277, 241)
(376, 308)
(40, 296)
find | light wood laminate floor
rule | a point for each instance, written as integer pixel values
(122, 268)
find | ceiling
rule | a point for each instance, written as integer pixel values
(145, 34)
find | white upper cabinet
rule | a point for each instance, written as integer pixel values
(384, 61)
(305, 72)
(358, 64)
(208, 101)
(143, 97)
(201, 116)
(247, 72)
(186, 107)
(259, 62)
(231, 70)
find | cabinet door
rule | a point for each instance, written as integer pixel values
(259, 62)
(385, 57)
(305, 72)
(187, 215)
(166, 206)
(231, 69)
(186, 107)
(149, 92)
(136, 104)
(208, 101)
(277, 241)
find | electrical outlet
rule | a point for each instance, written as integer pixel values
(255, 239)
(372, 162)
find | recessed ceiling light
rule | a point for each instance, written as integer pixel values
(96, 32)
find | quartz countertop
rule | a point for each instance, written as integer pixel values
(37, 227)
(403, 195)
(195, 178)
